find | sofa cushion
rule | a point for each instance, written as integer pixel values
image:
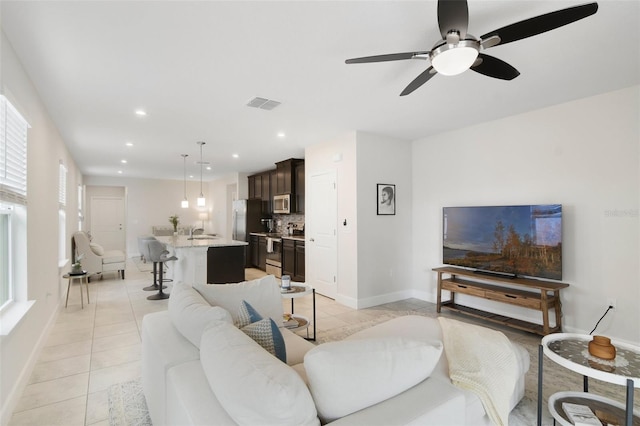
(97, 249)
(338, 372)
(190, 313)
(113, 256)
(264, 331)
(252, 385)
(263, 294)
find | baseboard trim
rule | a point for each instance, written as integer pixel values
(11, 401)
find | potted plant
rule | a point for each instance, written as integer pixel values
(174, 220)
(76, 268)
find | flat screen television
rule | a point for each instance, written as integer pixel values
(508, 240)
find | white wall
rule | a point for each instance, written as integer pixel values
(384, 242)
(374, 252)
(584, 155)
(339, 154)
(150, 202)
(45, 148)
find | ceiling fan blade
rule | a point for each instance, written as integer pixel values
(494, 67)
(419, 81)
(453, 15)
(384, 58)
(542, 23)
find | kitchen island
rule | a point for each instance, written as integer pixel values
(204, 259)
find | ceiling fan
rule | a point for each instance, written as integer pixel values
(459, 51)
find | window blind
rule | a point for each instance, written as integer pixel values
(62, 186)
(13, 154)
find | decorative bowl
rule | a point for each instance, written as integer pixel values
(601, 347)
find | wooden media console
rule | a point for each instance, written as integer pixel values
(524, 292)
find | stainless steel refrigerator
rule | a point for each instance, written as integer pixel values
(246, 216)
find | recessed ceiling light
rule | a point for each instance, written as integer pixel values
(281, 134)
(129, 144)
(119, 172)
(208, 167)
(235, 155)
(190, 176)
(141, 112)
(123, 161)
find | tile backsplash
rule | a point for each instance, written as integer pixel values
(283, 220)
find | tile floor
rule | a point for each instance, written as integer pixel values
(93, 348)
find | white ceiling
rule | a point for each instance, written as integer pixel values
(193, 66)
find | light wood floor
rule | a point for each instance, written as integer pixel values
(93, 348)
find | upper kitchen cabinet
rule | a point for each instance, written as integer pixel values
(260, 186)
(285, 176)
(299, 185)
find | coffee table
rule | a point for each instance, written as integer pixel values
(571, 351)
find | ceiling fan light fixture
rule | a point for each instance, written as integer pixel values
(454, 59)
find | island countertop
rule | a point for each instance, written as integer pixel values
(201, 241)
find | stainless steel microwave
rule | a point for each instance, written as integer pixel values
(282, 204)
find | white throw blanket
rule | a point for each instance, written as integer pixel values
(483, 361)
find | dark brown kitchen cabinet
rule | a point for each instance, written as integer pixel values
(262, 186)
(293, 263)
(285, 176)
(299, 186)
(272, 188)
(257, 186)
(299, 273)
(266, 194)
(252, 186)
(288, 257)
(254, 250)
(262, 253)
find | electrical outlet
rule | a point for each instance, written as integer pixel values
(611, 302)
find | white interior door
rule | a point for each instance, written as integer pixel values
(320, 229)
(107, 222)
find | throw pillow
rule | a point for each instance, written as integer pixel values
(190, 313)
(348, 376)
(97, 249)
(252, 386)
(263, 294)
(264, 331)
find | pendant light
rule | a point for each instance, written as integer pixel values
(185, 202)
(201, 200)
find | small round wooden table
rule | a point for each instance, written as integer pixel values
(82, 276)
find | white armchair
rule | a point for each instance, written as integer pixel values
(96, 260)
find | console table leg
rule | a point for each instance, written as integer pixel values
(558, 308)
(585, 384)
(439, 301)
(545, 312)
(540, 385)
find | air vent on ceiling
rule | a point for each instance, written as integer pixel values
(263, 103)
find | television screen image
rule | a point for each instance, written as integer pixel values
(511, 240)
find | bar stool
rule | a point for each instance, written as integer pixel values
(144, 251)
(159, 254)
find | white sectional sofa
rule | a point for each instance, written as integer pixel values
(198, 368)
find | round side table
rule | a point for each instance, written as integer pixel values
(83, 276)
(570, 351)
(300, 290)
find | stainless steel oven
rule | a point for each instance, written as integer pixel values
(274, 256)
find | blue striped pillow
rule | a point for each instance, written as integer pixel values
(263, 330)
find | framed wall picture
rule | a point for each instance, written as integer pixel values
(386, 199)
